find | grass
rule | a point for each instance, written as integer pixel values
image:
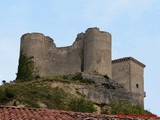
(81, 105)
(30, 93)
(124, 107)
(34, 93)
(26, 68)
(74, 78)
(41, 93)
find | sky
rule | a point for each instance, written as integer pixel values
(134, 25)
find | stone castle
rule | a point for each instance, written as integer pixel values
(89, 54)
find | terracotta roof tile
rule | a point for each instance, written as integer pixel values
(15, 113)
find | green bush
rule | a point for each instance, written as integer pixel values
(14, 103)
(106, 76)
(57, 98)
(124, 107)
(81, 105)
(77, 76)
(26, 70)
(32, 93)
(53, 98)
(108, 86)
(6, 95)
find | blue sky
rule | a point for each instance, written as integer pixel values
(134, 25)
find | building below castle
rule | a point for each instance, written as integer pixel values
(89, 54)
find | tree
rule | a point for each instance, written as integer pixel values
(3, 82)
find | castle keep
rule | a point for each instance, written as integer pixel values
(89, 54)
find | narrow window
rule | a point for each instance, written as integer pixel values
(137, 86)
(144, 94)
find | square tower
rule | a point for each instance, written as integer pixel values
(129, 72)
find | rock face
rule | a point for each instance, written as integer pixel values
(105, 90)
(90, 53)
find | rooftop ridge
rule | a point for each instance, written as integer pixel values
(40, 113)
(128, 58)
(14, 113)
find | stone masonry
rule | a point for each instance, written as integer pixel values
(129, 73)
(89, 54)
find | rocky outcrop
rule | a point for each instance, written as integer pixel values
(104, 90)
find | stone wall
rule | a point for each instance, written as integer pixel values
(38, 46)
(90, 53)
(130, 73)
(49, 59)
(137, 82)
(97, 52)
(121, 73)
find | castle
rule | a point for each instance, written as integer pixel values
(90, 54)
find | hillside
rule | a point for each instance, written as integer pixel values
(74, 93)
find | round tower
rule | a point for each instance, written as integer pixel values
(37, 46)
(97, 52)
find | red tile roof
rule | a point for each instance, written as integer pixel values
(15, 113)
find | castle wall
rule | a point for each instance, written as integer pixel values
(121, 73)
(90, 53)
(130, 73)
(49, 60)
(97, 52)
(67, 60)
(137, 82)
(38, 46)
